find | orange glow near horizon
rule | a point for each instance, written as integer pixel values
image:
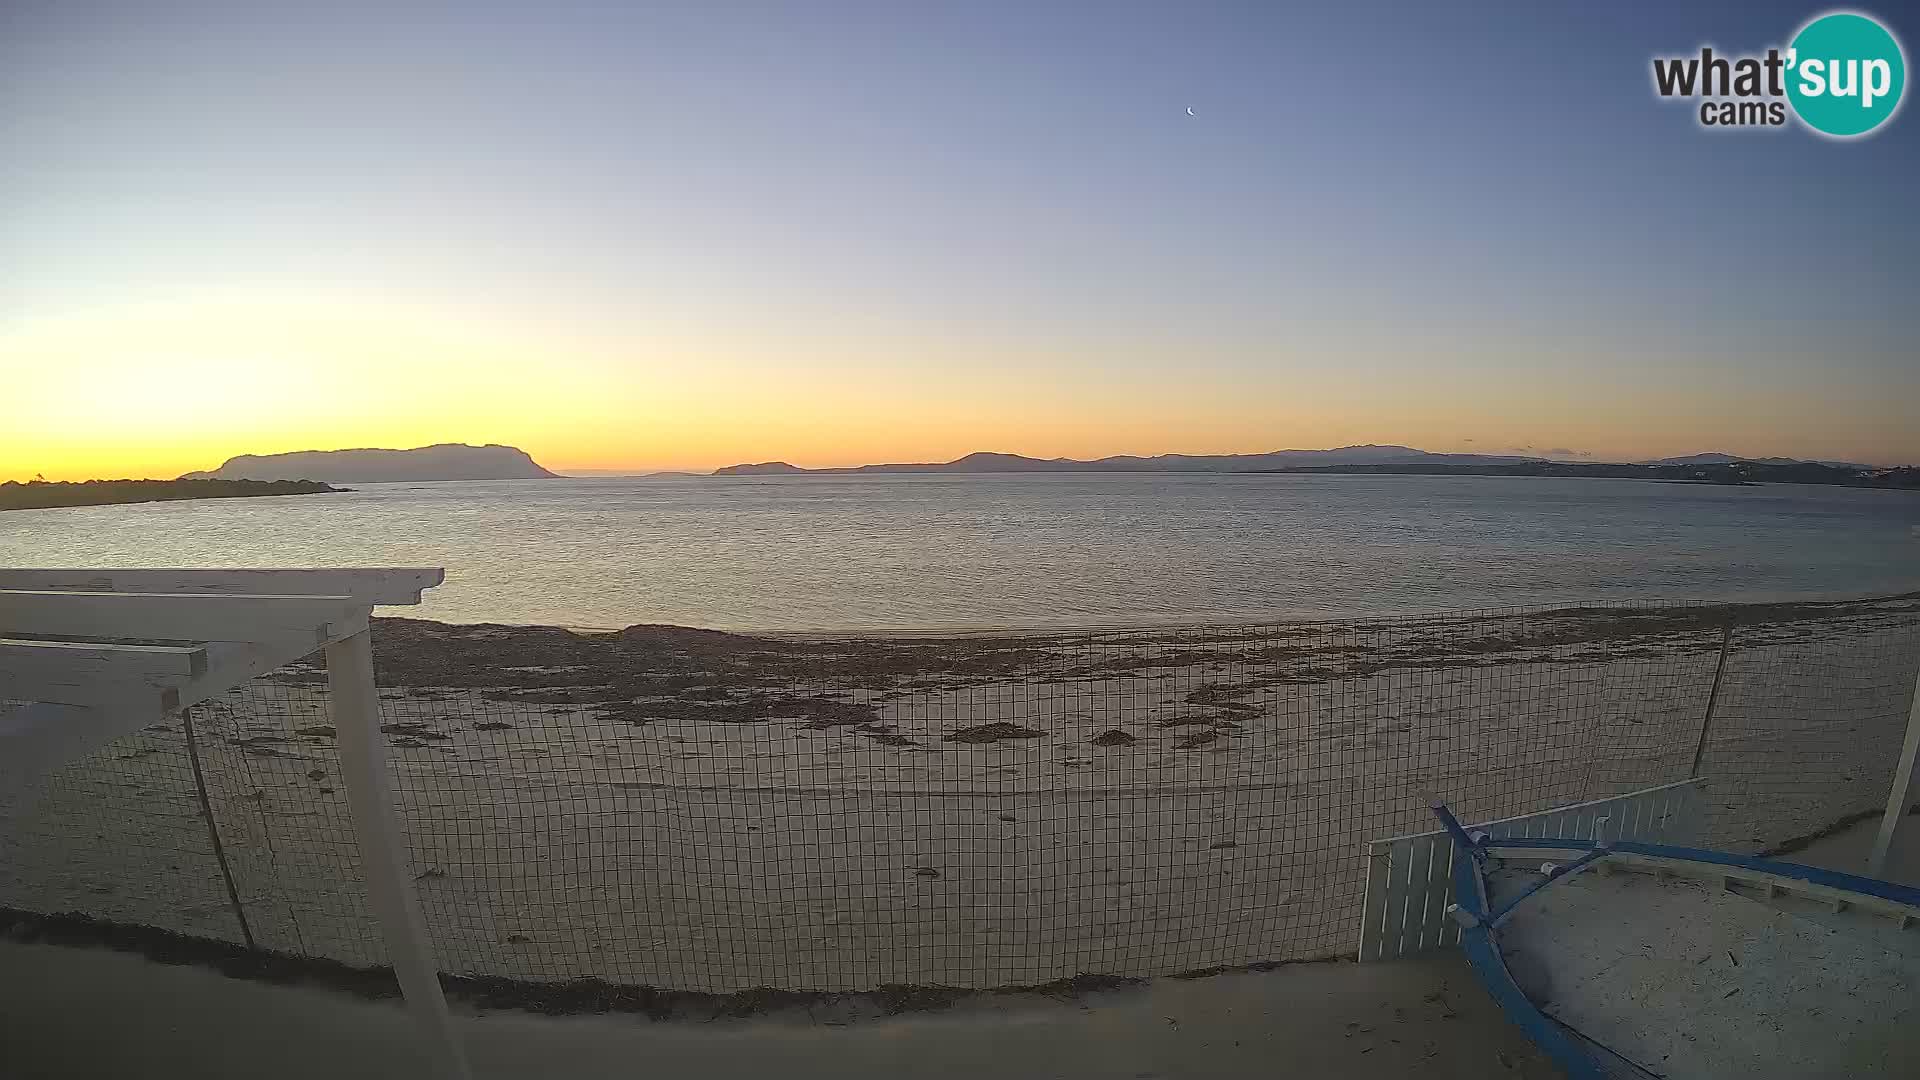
(169, 388)
(634, 239)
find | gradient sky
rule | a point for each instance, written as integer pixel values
(840, 233)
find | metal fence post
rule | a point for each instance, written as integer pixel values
(213, 827)
(1713, 698)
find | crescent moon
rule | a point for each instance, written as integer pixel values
(1189, 110)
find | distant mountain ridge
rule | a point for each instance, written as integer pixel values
(1729, 459)
(984, 462)
(1403, 460)
(1740, 472)
(442, 461)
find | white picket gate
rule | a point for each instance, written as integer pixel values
(1410, 880)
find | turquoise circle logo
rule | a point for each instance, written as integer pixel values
(1846, 74)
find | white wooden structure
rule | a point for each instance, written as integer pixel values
(1410, 878)
(89, 655)
(1900, 796)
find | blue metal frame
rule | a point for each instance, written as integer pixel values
(1812, 875)
(1559, 873)
(1483, 952)
(1478, 933)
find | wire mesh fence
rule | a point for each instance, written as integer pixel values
(710, 812)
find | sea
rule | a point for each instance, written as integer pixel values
(938, 552)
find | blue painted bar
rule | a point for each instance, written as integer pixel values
(1481, 942)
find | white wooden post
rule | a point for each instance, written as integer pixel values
(1897, 799)
(363, 765)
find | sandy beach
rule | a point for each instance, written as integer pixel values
(703, 811)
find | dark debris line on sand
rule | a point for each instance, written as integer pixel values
(497, 992)
(647, 673)
(994, 732)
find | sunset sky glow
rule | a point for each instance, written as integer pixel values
(686, 237)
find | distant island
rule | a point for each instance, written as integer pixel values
(444, 461)
(1401, 460)
(1733, 473)
(630, 474)
(1731, 459)
(989, 463)
(41, 494)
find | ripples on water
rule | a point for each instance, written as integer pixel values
(944, 551)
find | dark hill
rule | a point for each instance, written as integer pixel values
(445, 461)
(40, 494)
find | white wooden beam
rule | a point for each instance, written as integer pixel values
(398, 586)
(142, 694)
(234, 663)
(1899, 797)
(225, 665)
(173, 616)
(87, 660)
(383, 852)
(60, 725)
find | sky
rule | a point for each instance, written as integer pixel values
(656, 236)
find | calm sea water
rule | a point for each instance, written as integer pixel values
(939, 551)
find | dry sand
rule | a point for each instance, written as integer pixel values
(1425, 1017)
(702, 811)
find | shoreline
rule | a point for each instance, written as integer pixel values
(845, 677)
(1720, 474)
(1174, 624)
(63, 494)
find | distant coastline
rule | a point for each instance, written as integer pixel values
(1720, 469)
(1733, 474)
(43, 495)
(984, 462)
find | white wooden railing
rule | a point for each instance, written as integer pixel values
(1410, 880)
(89, 655)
